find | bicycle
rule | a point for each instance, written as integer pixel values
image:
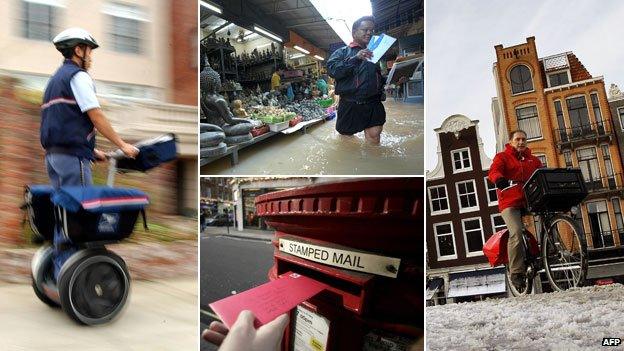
(552, 193)
(562, 254)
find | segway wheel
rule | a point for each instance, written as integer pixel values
(42, 270)
(93, 286)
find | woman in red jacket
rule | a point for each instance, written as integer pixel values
(510, 169)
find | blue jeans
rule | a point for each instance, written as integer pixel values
(65, 170)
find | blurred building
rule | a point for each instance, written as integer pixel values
(216, 188)
(145, 72)
(565, 112)
(131, 60)
(462, 214)
(245, 190)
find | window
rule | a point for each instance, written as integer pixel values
(606, 156)
(579, 118)
(597, 114)
(473, 236)
(529, 121)
(491, 192)
(619, 221)
(542, 159)
(39, 19)
(599, 222)
(461, 160)
(558, 78)
(467, 196)
(438, 200)
(125, 27)
(520, 77)
(560, 122)
(567, 155)
(621, 115)
(445, 242)
(588, 162)
(498, 223)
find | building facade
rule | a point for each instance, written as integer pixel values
(131, 59)
(616, 104)
(462, 213)
(565, 112)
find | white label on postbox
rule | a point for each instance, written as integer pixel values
(311, 330)
(354, 260)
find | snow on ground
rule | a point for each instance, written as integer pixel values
(577, 319)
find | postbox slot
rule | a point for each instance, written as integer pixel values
(339, 284)
(350, 286)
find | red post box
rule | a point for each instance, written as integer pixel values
(363, 238)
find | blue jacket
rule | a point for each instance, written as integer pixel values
(64, 128)
(355, 79)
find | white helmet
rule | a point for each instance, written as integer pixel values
(71, 37)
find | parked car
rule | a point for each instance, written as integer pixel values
(220, 219)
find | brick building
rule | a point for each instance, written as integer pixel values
(462, 213)
(565, 112)
(183, 41)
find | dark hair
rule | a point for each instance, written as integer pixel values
(68, 53)
(513, 132)
(358, 22)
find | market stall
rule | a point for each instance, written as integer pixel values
(256, 85)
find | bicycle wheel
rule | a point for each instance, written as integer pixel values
(528, 284)
(565, 253)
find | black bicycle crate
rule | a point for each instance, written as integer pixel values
(554, 189)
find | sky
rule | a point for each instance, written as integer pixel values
(460, 36)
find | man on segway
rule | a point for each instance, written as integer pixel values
(510, 169)
(70, 117)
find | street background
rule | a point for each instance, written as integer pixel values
(230, 263)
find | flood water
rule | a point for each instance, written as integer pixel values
(323, 151)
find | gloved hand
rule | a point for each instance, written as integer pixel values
(502, 183)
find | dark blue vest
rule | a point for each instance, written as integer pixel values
(64, 128)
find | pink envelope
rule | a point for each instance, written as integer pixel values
(269, 300)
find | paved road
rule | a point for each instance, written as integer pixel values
(160, 315)
(229, 264)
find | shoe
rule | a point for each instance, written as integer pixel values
(519, 281)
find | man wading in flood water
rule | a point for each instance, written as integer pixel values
(359, 84)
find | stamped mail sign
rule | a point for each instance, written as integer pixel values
(349, 259)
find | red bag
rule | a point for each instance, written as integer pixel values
(293, 122)
(495, 249)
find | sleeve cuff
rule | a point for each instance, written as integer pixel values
(90, 107)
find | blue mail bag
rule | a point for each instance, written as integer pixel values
(152, 153)
(40, 211)
(98, 213)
